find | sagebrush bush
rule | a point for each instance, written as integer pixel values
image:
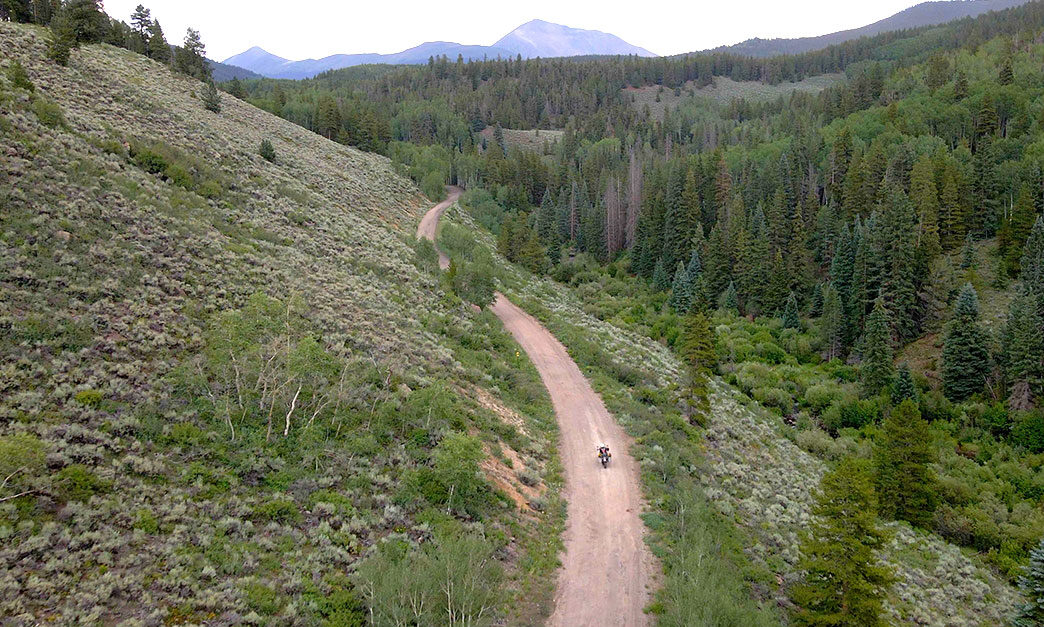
(49, 113)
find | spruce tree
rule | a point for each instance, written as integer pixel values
(876, 368)
(791, 320)
(903, 387)
(545, 223)
(729, 300)
(211, 97)
(968, 253)
(965, 358)
(903, 456)
(1022, 352)
(899, 280)
(681, 291)
(1032, 264)
(952, 223)
(1031, 584)
(844, 583)
(697, 348)
(660, 280)
(235, 89)
(158, 47)
(832, 324)
(925, 198)
(1016, 230)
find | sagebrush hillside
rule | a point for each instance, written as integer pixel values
(224, 380)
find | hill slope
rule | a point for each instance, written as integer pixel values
(924, 14)
(163, 289)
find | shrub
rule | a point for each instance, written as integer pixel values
(146, 521)
(528, 477)
(821, 395)
(773, 397)
(49, 113)
(771, 352)
(22, 458)
(150, 161)
(1029, 431)
(77, 483)
(815, 441)
(211, 97)
(89, 398)
(278, 510)
(267, 151)
(19, 78)
(178, 175)
(263, 599)
(454, 580)
(851, 413)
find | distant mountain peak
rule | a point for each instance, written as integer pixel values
(540, 38)
(535, 38)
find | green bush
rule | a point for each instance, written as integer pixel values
(49, 113)
(821, 395)
(851, 413)
(178, 175)
(278, 510)
(19, 78)
(89, 398)
(150, 161)
(146, 521)
(1029, 431)
(454, 580)
(77, 483)
(263, 599)
(773, 397)
(22, 459)
(267, 151)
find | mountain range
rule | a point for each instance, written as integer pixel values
(924, 14)
(535, 38)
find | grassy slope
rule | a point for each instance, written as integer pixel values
(751, 472)
(108, 276)
(722, 91)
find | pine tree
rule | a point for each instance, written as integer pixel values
(952, 222)
(83, 20)
(141, 22)
(191, 58)
(876, 369)
(267, 151)
(729, 301)
(660, 280)
(925, 198)
(158, 47)
(1006, 76)
(965, 358)
(1032, 264)
(845, 584)
(791, 320)
(968, 253)
(832, 324)
(697, 348)
(905, 482)
(899, 286)
(211, 97)
(235, 89)
(681, 291)
(1031, 584)
(545, 223)
(1022, 352)
(1016, 229)
(903, 387)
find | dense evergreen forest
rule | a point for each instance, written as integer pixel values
(883, 236)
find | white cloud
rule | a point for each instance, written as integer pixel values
(311, 28)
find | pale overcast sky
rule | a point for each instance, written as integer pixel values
(303, 29)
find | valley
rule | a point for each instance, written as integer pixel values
(335, 344)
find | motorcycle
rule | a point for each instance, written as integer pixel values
(604, 456)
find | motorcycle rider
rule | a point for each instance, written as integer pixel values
(603, 451)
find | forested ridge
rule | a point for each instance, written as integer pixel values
(882, 236)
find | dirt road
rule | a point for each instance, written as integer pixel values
(430, 222)
(607, 570)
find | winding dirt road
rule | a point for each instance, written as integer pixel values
(607, 570)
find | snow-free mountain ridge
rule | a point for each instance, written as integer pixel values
(536, 38)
